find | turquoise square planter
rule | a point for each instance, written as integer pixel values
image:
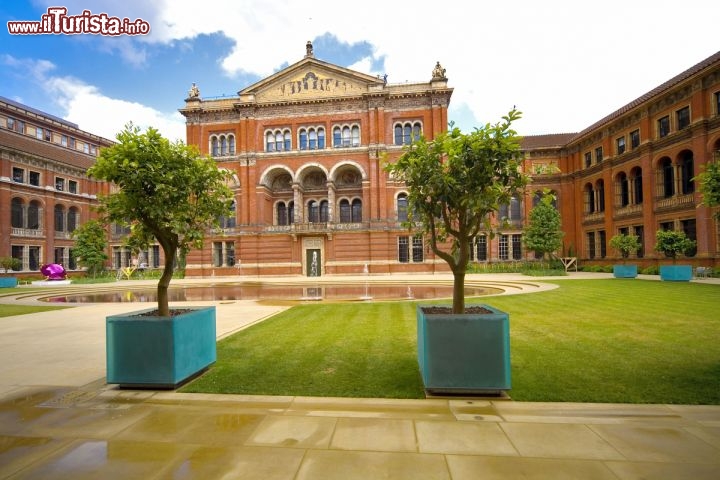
(8, 282)
(676, 273)
(464, 354)
(625, 271)
(160, 352)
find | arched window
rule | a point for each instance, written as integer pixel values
(291, 212)
(346, 140)
(623, 190)
(313, 211)
(214, 151)
(59, 218)
(324, 211)
(312, 143)
(600, 187)
(16, 213)
(355, 136)
(231, 144)
(282, 214)
(72, 219)
(357, 211)
(223, 145)
(687, 172)
(33, 216)
(514, 208)
(303, 139)
(321, 138)
(589, 198)
(637, 185)
(667, 178)
(279, 142)
(407, 132)
(345, 211)
(402, 207)
(270, 142)
(288, 141)
(337, 137)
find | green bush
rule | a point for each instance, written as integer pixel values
(651, 270)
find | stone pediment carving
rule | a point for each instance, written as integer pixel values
(310, 79)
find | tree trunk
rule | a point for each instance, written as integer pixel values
(459, 291)
(164, 283)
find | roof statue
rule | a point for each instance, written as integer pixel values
(438, 72)
(194, 92)
(309, 49)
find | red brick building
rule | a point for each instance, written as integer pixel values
(633, 170)
(307, 146)
(44, 191)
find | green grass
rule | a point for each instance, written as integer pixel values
(608, 340)
(11, 310)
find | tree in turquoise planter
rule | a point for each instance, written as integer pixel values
(625, 244)
(455, 183)
(166, 192)
(672, 243)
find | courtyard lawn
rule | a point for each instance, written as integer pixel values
(614, 340)
(11, 310)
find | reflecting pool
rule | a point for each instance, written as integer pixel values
(276, 292)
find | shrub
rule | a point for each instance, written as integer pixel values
(651, 270)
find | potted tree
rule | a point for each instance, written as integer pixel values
(625, 244)
(672, 243)
(166, 192)
(9, 264)
(455, 182)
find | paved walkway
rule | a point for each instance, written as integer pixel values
(59, 419)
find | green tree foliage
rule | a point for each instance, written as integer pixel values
(709, 182)
(543, 233)
(454, 183)
(625, 244)
(91, 246)
(672, 243)
(167, 192)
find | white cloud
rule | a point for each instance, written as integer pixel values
(564, 63)
(94, 112)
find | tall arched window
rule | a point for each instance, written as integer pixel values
(313, 211)
(406, 132)
(231, 144)
(600, 187)
(667, 177)
(288, 141)
(324, 211)
(356, 211)
(402, 207)
(279, 142)
(623, 190)
(59, 218)
(687, 172)
(589, 198)
(223, 145)
(345, 211)
(636, 174)
(282, 214)
(270, 142)
(33, 215)
(214, 149)
(16, 213)
(321, 138)
(72, 219)
(303, 141)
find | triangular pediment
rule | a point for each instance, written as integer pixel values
(310, 79)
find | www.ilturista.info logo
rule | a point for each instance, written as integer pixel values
(57, 22)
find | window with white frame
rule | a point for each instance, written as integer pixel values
(278, 140)
(345, 136)
(222, 145)
(406, 132)
(311, 138)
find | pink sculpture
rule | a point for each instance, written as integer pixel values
(53, 271)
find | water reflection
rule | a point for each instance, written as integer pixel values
(276, 292)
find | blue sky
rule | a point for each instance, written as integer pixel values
(564, 64)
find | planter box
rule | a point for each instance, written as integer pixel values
(676, 273)
(625, 271)
(159, 352)
(8, 282)
(468, 353)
